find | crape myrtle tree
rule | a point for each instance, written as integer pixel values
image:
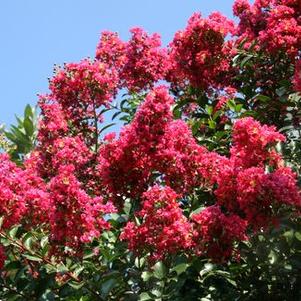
(197, 197)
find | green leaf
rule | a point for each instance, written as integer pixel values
(13, 265)
(238, 108)
(89, 254)
(76, 285)
(127, 207)
(29, 127)
(209, 109)
(19, 121)
(27, 240)
(28, 112)
(298, 235)
(195, 127)
(177, 113)
(281, 91)
(144, 297)
(116, 114)
(272, 257)
(262, 98)
(32, 257)
(231, 104)
(198, 210)
(180, 268)
(61, 268)
(157, 293)
(245, 60)
(106, 127)
(212, 124)
(146, 275)
(44, 241)
(13, 232)
(107, 286)
(208, 267)
(159, 270)
(78, 271)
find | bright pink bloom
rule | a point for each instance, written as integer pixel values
(164, 229)
(12, 188)
(259, 194)
(276, 25)
(215, 233)
(70, 150)
(200, 54)
(125, 164)
(140, 62)
(179, 157)
(77, 218)
(146, 61)
(152, 146)
(111, 50)
(81, 88)
(252, 142)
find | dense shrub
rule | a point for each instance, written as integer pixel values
(196, 198)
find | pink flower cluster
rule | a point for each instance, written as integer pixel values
(200, 54)
(152, 143)
(146, 61)
(275, 24)
(72, 215)
(111, 50)
(140, 62)
(164, 229)
(22, 194)
(243, 184)
(125, 164)
(77, 218)
(12, 185)
(252, 142)
(81, 88)
(260, 195)
(249, 196)
(71, 180)
(214, 233)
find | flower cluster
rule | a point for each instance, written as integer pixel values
(199, 53)
(243, 184)
(153, 143)
(164, 229)
(140, 62)
(179, 157)
(111, 50)
(81, 88)
(23, 195)
(72, 180)
(215, 233)
(260, 195)
(125, 164)
(146, 61)
(77, 218)
(275, 24)
(12, 187)
(251, 142)
(70, 150)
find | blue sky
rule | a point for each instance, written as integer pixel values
(37, 34)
